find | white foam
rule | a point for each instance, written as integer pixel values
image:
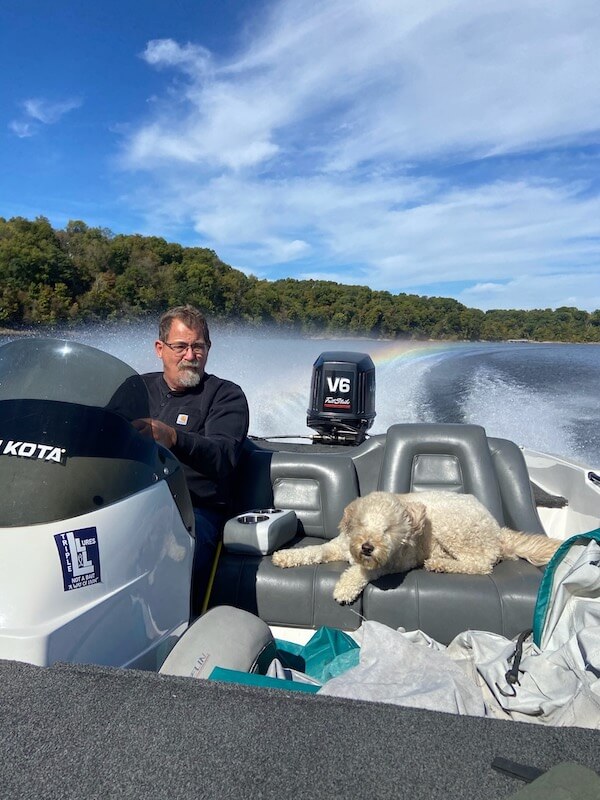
(512, 411)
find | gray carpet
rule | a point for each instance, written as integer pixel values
(91, 732)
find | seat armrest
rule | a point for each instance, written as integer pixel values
(260, 531)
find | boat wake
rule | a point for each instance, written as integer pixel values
(543, 396)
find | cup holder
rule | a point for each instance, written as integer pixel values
(252, 519)
(260, 531)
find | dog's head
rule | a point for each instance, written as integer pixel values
(379, 524)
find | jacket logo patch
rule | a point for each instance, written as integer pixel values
(182, 419)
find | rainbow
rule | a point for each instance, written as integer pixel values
(407, 351)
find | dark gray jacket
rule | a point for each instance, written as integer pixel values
(211, 421)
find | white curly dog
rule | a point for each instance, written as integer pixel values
(382, 533)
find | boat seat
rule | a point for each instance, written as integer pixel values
(410, 458)
(317, 487)
(458, 458)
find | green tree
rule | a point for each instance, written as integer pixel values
(89, 273)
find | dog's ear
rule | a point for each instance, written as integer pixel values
(416, 513)
(347, 517)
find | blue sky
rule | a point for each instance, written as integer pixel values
(441, 148)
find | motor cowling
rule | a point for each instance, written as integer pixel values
(342, 397)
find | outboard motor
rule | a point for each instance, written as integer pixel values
(96, 521)
(342, 397)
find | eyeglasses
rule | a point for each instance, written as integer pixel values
(181, 348)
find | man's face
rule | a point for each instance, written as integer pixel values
(182, 370)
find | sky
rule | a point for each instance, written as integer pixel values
(443, 148)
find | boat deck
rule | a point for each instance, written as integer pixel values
(83, 731)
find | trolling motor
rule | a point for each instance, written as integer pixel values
(96, 521)
(342, 397)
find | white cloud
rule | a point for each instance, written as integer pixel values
(39, 111)
(406, 234)
(21, 128)
(193, 58)
(399, 79)
(336, 137)
(537, 291)
(48, 112)
(483, 289)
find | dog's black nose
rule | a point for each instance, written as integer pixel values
(367, 548)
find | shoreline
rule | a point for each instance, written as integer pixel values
(399, 341)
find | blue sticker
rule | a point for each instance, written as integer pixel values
(79, 557)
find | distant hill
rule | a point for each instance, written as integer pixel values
(50, 276)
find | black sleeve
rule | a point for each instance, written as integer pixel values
(215, 453)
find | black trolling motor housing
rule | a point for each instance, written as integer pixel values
(342, 397)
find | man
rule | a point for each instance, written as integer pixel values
(203, 420)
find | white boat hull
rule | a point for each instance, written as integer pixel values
(568, 479)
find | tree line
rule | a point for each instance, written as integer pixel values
(82, 273)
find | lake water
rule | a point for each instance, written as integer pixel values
(543, 396)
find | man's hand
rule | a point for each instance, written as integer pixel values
(159, 431)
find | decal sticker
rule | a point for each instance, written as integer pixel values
(339, 388)
(182, 419)
(337, 402)
(43, 452)
(79, 557)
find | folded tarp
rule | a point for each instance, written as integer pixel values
(327, 653)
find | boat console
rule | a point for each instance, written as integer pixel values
(96, 521)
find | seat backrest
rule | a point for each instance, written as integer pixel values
(252, 485)
(520, 512)
(436, 456)
(317, 488)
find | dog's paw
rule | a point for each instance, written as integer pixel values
(344, 594)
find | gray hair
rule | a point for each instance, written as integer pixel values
(189, 315)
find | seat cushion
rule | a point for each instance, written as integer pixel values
(298, 597)
(443, 605)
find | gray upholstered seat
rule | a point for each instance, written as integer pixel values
(412, 457)
(318, 488)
